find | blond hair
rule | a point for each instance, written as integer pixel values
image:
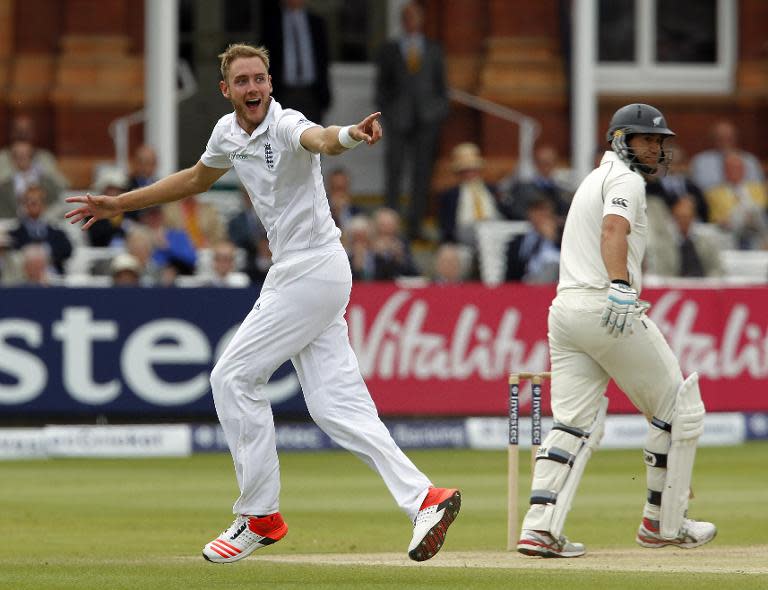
(237, 50)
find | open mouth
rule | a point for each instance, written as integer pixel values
(253, 103)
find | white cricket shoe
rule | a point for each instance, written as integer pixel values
(246, 534)
(543, 544)
(692, 534)
(437, 512)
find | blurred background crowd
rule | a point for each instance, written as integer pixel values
(428, 222)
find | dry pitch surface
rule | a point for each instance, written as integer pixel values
(710, 559)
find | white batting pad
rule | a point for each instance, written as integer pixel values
(588, 446)
(687, 426)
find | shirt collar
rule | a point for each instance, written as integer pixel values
(273, 113)
(610, 156)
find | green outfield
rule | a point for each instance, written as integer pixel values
(137, 524)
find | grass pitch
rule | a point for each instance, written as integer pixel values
(114, 524)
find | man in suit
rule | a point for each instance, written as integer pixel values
(534, 257)
(298, 49)
(685, 249)
(469, 201)
(412, 95)
(33, 229)
(517, 191)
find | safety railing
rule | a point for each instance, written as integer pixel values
(119, 129)
(529, 127)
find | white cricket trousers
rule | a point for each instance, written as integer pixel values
(300, 316)
(583, 359)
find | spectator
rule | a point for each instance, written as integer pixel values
(677, 183)
(534, 257)
(108, 232)
(262, 261)
(450, 265)
(143, 167)
(35, 266)
(708, 167)
(339, 198)
(10, 270)
(201, 221)
(463, 205)
(23, 174)
(392, 254)
(358, 242)
(517, 192)
(739, 204)
(172, 249)
(139, 244)
(33, 229)
(691, 251)
(224, 267)
(126, 270)
(23, 130)
(247, 233)
(411, 93)
(298, 48)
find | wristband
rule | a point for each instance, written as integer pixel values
(621, 282)
(346, 140)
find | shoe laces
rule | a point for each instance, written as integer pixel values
(549, 539)
(238, 526)
(558, 542)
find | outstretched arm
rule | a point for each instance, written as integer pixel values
(335, 140)
(190, 181)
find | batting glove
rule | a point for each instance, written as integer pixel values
(620, 309)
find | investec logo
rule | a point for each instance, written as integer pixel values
(235, 156)
(142, 358)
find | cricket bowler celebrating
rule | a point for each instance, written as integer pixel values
(598, 331)
(299, 314)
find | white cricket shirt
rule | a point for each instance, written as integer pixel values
(611, 188)
(282, 178)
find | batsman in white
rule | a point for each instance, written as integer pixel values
(299, 314)
(598, 331)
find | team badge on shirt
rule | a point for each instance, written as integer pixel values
(269, 157)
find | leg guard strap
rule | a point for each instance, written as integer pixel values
(543, 497)
(654, 497)
(655, 459)
(660, 424)
(572, 430)
(555, 454)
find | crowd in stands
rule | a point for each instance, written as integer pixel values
(717, 200)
